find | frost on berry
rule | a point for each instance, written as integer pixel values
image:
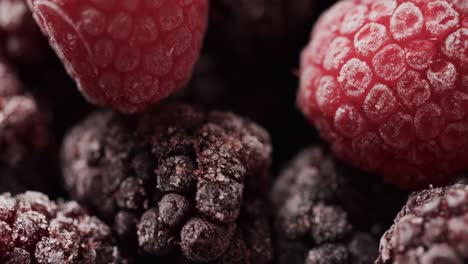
(380, 103)
(431, 228)
(456, 48)
(328, 95)
(355, 78)
(442, 75)
(177, 182)
(353, 19)
(40, 231)
(440, 17)
(406, 22)
(403, 80)
(413, 89)
(389, 63)
(370, 38)
(339, 51)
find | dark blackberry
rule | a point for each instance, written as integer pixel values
(35, 229)
(175, 181)
(26, 145)
(324, 216)
(22, 40)
(431, 228)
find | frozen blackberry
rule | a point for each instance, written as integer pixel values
(431, 228)
(259, 30)
(35, 229)
(323, 217)
(175, 181)
(26, 144)
(21, 39)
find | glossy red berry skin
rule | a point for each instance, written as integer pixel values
(386, 83)
(126, 54)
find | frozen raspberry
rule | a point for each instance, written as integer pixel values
(21, 40)
(431, 228)
(259, 31)
(125, 54)
(26, 143)
(325, 216)
(385, 83)
(35, 229)
(176, 181)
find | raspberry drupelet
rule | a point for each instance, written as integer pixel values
(385, 82)
(126, 54)
(323, 215)
(431, 228)
(27, 147)
(35, 229)
(175, 182)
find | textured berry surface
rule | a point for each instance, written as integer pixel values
(27, 148)
(386, 83)
(259, 31)
(175, 181)
(20, 37)
(35, 229)
(125, 54)
(431, 228)
(324, 217)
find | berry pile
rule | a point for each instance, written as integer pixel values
(175, 180)
(385, 83)
(191, 161)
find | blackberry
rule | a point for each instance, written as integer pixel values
(22, 40)
(324, 216)
(35, 229)
(175, 182)
(26, 144)
(431, 228)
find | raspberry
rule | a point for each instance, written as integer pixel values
(35, 229)
(26, 144)
(22, 40)
(324, 217)
(120, 53)
(176, 181)
(431, 228)
(384, 82)
(275, 28)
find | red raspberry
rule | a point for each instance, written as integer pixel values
(127, 54)
(386, 82)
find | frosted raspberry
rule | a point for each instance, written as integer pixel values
(431, 228)
(125, 54)
(324, 216)
(383, 80)
(176, 181)
(35, 229)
